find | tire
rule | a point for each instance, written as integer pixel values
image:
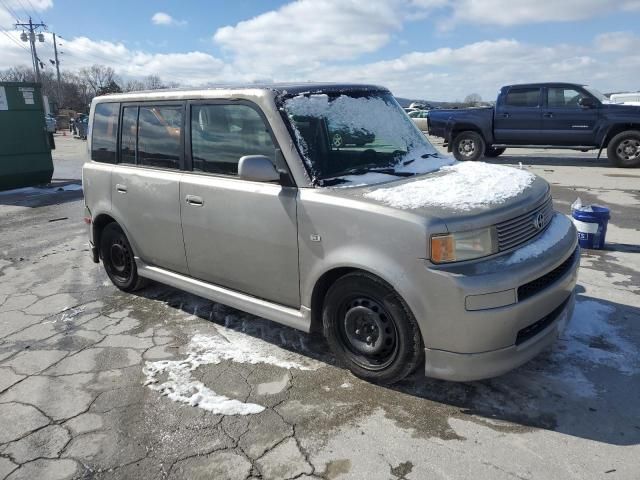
(624, 149)
(359, 306)
(118, 259)
(491, 152)
(337, 140)
(468, 146)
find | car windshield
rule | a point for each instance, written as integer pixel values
(600, 96)
(358, 138)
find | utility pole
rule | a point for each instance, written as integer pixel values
(31, 38)
(55, 51)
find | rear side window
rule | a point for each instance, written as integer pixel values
(222, 134)
(104, 132)
(523, 97)
(159, 136)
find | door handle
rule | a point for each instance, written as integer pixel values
(194, 200)
(505, 115)
(547, 115)
(121, 188)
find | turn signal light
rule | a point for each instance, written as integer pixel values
(443, 249)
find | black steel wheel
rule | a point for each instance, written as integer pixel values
(468, 146)
(624, 149)
(370, 329)
(118, 259)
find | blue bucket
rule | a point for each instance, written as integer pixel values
(591, 226)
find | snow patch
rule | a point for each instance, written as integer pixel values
(462, 186)
(593, 338)
(206, 349)
(590, 340)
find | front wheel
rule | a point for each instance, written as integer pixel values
(491, 152)
(370, 329)
(337, 140)
(118, 259)
(624, 149)
(468, 146)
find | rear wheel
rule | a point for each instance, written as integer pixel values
(469, 146)
(118, 259)
(491, 152)
(624, 149)
(370, 329)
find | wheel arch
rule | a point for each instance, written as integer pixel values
(329, 277)
(98, 225)
(459, 128)
(618, 128)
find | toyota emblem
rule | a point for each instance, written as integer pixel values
(538, 221)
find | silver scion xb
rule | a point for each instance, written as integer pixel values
(323, 207)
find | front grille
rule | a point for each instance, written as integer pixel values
(535, 328)
(529, 289)
(519, 230)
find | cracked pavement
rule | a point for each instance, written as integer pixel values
(74, 404)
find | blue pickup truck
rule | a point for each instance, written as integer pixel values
(542, 115)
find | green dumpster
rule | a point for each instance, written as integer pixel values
(25, 154)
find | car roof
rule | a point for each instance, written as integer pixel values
(544, 84)
(278, 88)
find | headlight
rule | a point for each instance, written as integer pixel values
(455, 247)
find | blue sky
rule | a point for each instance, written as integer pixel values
(435, 49)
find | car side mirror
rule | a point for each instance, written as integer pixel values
(586, 102)
(257, 168)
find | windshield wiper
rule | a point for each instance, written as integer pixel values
(365, 170)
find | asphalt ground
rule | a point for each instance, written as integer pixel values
(86, 387)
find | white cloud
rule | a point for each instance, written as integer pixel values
(10, 7)
(161, 18)
(440, 74)
(304, 33)
(189, 68)
(517, 12)
(483, 67)
(328, 40)
(617, 42)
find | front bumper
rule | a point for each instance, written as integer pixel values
(488, 317)
(466, 367)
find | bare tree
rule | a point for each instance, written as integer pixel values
(133, 86)
(21, 73)
(153, 82)
(473, 99)
(97, 77)
(78, 88)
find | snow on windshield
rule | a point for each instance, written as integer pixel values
(377, 115)
(463, 186)
(354, 114)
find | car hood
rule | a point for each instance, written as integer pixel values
(489, 200)
(618, 108)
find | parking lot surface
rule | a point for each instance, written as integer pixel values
(95, 383)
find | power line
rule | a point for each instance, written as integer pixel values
(25, 10)
(91, 56)
(8, 35)
(35, 11)
(10, 10)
